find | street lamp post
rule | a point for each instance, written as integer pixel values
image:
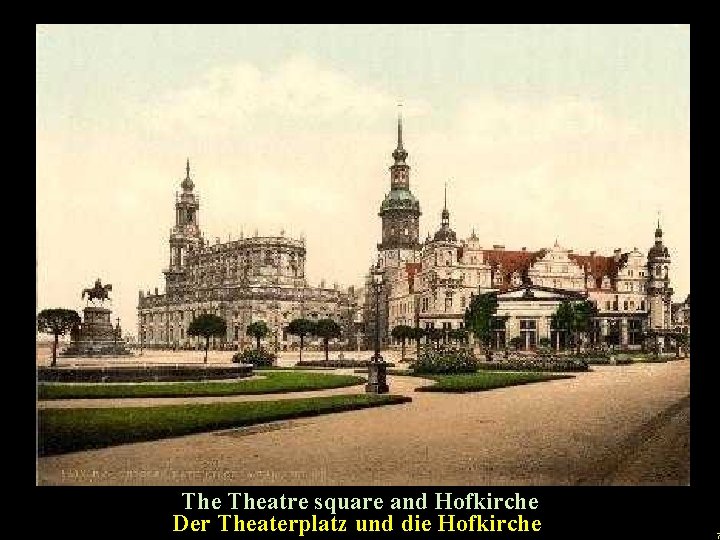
(417, 329)
(377, 368)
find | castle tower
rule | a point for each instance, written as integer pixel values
(445, 233)
(400, 212)
(658, 284)
(185, 235)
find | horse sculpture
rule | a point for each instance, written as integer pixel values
(99, 291)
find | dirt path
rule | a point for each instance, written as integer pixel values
(599, 427)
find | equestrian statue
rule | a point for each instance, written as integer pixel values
(99, 291)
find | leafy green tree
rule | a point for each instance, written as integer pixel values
(417, 334)
(57, 322)
(459, 335)
(301, 328)
(479, 320)
(207, 325)
(403, 332)
(575, 317)
(564, 317)
(326, 329)
(258, 330)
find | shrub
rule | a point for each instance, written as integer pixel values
(537, 363)
(446, 360)
(256, 357)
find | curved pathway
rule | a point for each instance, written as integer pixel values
(616, 424)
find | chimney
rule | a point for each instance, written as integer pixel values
(570, 250)
(592, 253)
(616, 254)
(498, 247)
(524, 248)
(156, 291)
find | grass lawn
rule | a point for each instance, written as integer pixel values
(273, 382)
(485, 380)
(70, 430)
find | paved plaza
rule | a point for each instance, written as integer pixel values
(612, 425)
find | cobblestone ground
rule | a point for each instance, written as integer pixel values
(614, 425)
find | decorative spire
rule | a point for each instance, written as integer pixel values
(445, 213)
(445, 233)
(187, 183)
(399, 154)
(400, 145)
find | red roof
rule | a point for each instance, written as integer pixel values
(597, 266)
(520, 261)
(511, 261)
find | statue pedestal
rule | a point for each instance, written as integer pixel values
(96, 335)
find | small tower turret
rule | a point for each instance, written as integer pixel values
(658, 283)
(185, 234)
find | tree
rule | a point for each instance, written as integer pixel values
(417, 334)
(479, 319)
(57, 322)
(301, 328)
(564, 317)
(258, 330)
(207, 326)
(326, 329)
(575, 318)
(403, 332)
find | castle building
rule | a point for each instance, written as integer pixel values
(681, 316)
(430, 284)
(258, 278)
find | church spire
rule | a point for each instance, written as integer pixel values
(445, 213)
(400, 145)
(399, 154)
(187, 183)
(445, 233)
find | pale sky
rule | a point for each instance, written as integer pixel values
(574, 133)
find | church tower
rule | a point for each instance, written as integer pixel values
(658, 284)
(185, 235)
(400, 213)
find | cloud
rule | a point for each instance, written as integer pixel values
(290, 93)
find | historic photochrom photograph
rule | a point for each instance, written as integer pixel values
(363, 255)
